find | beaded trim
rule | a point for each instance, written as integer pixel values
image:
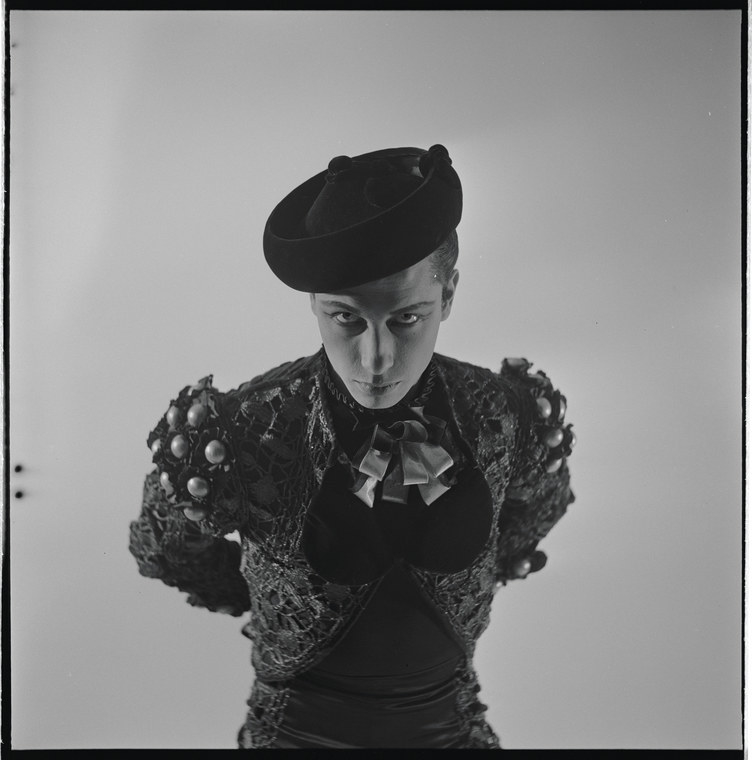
(420, 400)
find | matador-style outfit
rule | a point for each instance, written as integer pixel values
(371, 542)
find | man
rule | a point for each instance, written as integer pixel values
(382, 492)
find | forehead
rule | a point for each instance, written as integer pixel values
(415, 284)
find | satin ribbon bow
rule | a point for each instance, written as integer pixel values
(402, 454)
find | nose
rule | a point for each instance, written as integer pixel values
(377, 350)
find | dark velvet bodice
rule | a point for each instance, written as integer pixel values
(350, 543)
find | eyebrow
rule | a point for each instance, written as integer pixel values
(350, 308)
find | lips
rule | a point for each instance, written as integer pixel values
(376, 387)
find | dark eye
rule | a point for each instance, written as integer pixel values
(408, 319)
(344, 318)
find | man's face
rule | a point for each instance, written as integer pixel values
(380, 336)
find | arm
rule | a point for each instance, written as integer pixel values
(182, 553)
(538, 494)
(179, 535)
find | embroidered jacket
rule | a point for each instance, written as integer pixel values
(252, 460)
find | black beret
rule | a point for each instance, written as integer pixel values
(364, 218)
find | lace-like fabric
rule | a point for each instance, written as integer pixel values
(279, 431)
(267, 707)
(470, 709)
(183, 554)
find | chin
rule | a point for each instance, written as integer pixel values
(370, 403)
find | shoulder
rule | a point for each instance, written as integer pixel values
(521, 397)
(287, 373)
(525, 389)
(455, 367)
(514, 385)
(201, 405)
(203, 445)
(470, 385)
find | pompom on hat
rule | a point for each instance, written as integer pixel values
(364, 218)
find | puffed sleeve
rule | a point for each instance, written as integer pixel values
(191, 500)
(539, 492)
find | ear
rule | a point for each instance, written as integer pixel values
(312, 297)
(448, 295)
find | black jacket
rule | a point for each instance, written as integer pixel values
(279, 441)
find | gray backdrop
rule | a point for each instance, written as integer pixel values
(600, 156)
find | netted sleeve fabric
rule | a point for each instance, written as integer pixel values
(193, 499)
(539, 490)
(184, 554)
